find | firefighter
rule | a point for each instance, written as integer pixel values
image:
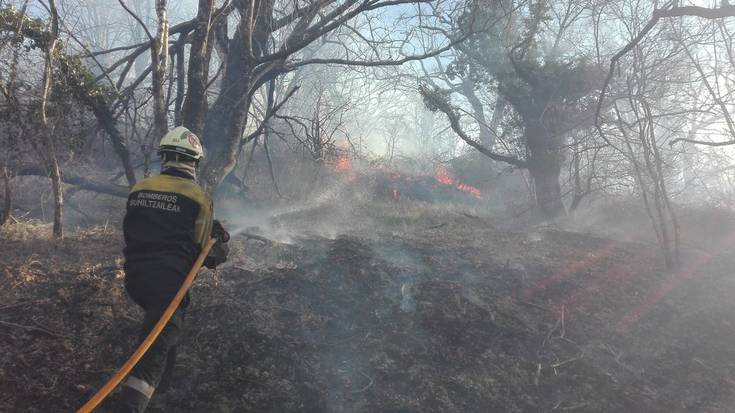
(168, 220)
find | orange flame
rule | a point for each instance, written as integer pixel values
(343, 163)
(443, 177)
(470, 190)
(343, 166)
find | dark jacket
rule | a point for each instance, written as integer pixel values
(168, 220)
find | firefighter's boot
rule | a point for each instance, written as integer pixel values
(135, 394)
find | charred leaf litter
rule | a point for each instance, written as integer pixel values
(420, 309)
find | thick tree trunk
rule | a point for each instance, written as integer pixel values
(225, 139)
(548, 191)
(195, 104)
(544, 163)
(227, 117)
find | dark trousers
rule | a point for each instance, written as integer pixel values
(153, 371)
(156, 366)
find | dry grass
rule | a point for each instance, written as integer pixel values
(378, 307)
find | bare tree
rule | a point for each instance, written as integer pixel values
(48, 152)
(71, 71)
(669, 10)
(547, 92)
(267, 43)
(317, 131)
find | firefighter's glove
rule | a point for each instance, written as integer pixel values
(218, 254)
(219, 233)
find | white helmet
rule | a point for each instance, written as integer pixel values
(181, 141)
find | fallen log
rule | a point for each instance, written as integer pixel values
(79, 181)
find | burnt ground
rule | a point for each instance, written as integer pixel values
(385, 308)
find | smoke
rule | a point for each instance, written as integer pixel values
(326, 214)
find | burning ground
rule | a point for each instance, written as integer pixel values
(384, 307)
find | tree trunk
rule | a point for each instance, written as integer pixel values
(548, 191)
(225, 150)
(159, 59)
(487, 135)
(544, 164)
(49, 143)
(58, 195)
(81, 182)
(227, 117)
(180, 86)
(7, 198)
(195, 104)
(143, 9)
(107, 121)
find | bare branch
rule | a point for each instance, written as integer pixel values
(726, 10)
(374, 63)
(269, 114)
(135, 16)
(698, 142)
(449, 111)
(613, 63)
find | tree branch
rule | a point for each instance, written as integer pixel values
(327, 23)
(726, 10)
(613, 63)
(436, 103)
(268, 115)
(79, 181)
(181, 29)
(135, 16)
(373, 63)
(698, 142)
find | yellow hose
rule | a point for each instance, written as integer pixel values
(146, 344)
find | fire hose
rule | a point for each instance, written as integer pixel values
(152, 336)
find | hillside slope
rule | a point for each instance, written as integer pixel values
(384, 309)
